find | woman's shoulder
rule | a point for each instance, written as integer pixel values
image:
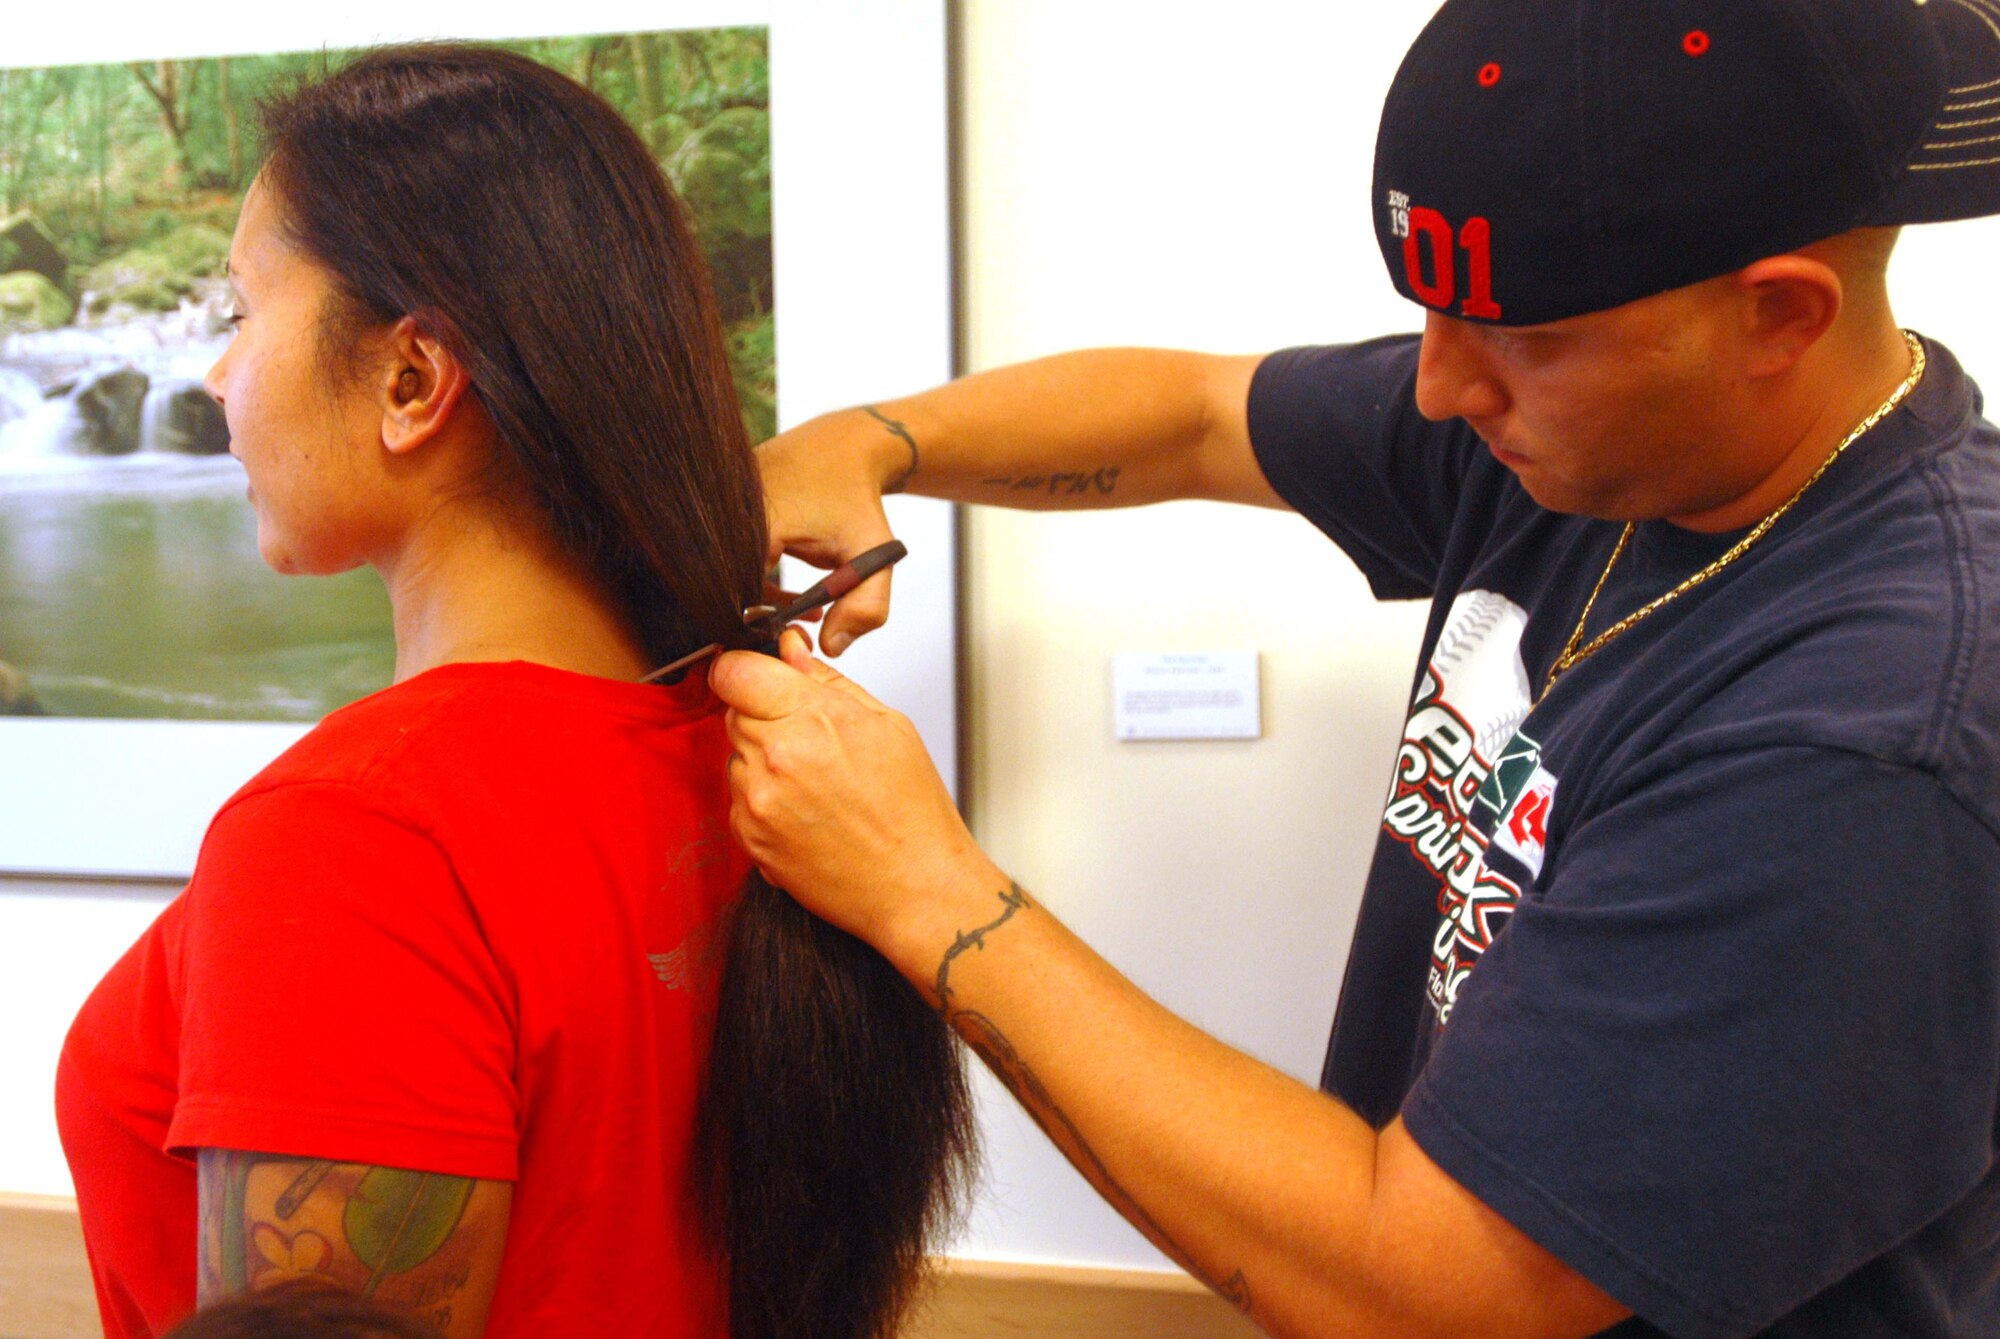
(374, 736)
(458, 716)
(443, 752)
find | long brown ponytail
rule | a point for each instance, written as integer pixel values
(535, 235)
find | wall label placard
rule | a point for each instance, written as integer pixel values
(1186, 695)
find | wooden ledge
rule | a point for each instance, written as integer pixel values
(45, 1288)
(981, 1299)
(45, 1292)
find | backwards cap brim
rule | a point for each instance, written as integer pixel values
(1955, 171)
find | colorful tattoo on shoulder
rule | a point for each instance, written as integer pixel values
(991, 1045)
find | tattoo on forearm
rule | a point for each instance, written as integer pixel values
(1101, 483)
(991, 1045)
(901, 481)
(1014, 900)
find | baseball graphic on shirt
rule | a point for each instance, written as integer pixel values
(1473, 696)
(1468, 710)
(1478, 657)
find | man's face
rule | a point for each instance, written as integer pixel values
(1630, 414)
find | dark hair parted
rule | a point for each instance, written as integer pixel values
(520, 220)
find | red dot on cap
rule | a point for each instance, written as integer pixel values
(1489, 75)
(1695, 43)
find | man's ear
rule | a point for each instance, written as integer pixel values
(1789, 303)
(420, 389)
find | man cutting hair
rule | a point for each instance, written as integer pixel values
(1674, 1004)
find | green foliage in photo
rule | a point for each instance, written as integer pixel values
(28, 301)
(153, 276)
(136, 171)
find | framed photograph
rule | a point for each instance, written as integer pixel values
(149, 663)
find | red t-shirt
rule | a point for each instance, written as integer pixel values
(464, 926)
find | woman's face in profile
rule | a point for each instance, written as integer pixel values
(307, 432)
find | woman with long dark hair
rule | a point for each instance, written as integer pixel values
(433, 1019)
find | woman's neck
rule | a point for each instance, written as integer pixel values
(467, 586)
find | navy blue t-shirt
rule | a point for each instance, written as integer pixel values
(1690, 968)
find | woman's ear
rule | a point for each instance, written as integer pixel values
(1789, 303)
(421, 384)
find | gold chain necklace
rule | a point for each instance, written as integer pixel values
(1572, 653)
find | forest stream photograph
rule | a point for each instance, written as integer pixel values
(130, 584)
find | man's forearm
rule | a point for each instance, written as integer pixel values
(1104, 428)
(1284, 1201)
(1097, 428)
(1254, 1183)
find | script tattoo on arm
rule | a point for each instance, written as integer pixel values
(424, 1241)
(992, 1046)
(901, 481)
(1091, 483)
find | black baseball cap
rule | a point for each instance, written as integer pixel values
(1540, 159)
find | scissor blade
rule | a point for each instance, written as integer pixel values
(837, 583)
(681, 664)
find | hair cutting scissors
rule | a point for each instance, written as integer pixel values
(770, 620)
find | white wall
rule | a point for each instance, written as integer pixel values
(56, 940)
(1163, 173)
(1197, 176)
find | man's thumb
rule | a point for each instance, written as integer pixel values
(756, 686)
